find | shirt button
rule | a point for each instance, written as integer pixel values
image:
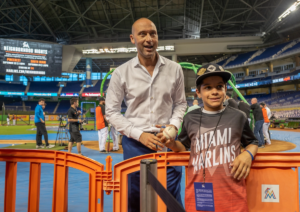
(151, 111)
(151, 97)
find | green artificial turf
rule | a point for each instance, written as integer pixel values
(18, 130)
(33, 146)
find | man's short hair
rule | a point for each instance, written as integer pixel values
(41, 100)
(73, 100)
(263, 104)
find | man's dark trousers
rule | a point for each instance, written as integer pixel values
(258, 132)
(133, 148)
(40, 131)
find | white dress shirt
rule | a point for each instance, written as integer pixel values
(159, 99)
(269, 113)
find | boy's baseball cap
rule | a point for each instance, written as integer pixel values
(211, 69)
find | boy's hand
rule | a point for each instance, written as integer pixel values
(241, 166)
(167, 142)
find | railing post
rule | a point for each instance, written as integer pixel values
(60, 188)
(10, 186)
(34, 187)
(148, 197)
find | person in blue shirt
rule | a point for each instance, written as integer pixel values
(39, 120)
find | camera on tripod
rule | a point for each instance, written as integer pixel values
(62, 118)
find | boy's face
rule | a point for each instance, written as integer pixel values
(212, 91)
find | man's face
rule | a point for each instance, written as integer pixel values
(76, 103)
(145, 38)
(253, 101)
(212, 92)
(42, 103)
(43, 106)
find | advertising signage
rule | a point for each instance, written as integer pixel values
(11, 93)
(91, 94)
(30, 58)
(69, 94)
(41, 94)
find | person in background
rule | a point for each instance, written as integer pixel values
(39, 120)
(14, 118)
(152, 87)
(230, 102)
(266, 123)
(114, 134)
(195, 106)
(101, 124)
(44, 109)
(245, 107)
(74, 125)
(7, 120)
(269, 117)
(259, 122)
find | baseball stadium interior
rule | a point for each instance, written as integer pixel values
(56, 50)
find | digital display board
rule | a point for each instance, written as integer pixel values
(11, 93)
(30, 58)
(69, 94)
(41, 94)
(91, 94)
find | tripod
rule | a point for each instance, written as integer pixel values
(62, 136)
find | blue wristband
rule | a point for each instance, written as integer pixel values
(78, 121)
(250, 154)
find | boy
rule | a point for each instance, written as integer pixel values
(217, 168)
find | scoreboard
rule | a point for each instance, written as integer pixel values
(30, 58)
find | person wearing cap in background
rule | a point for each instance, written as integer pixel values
(229, 101)
(245, 107)
(266, 123)
(152, 87)
(214, 134)
(101, 124)
(195, 106)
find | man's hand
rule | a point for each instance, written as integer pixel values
(78, 111)
(167, 142)
(151, 141)
(43, 122)
(167, 125)
(241, 166)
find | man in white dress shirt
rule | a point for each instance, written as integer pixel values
(152, 87)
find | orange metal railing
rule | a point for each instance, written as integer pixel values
(267, 168)
(62, 161)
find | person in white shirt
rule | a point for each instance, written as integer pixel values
(7, 120)
(194, 107)
(152, 87)
(269, 113)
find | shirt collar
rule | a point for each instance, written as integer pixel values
(160, 61)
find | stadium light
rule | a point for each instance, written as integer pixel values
(289, 10)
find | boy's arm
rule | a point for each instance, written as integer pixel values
(242, 163)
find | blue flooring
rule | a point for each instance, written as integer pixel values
(79, 181)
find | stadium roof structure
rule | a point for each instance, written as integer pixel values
(90, 21)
